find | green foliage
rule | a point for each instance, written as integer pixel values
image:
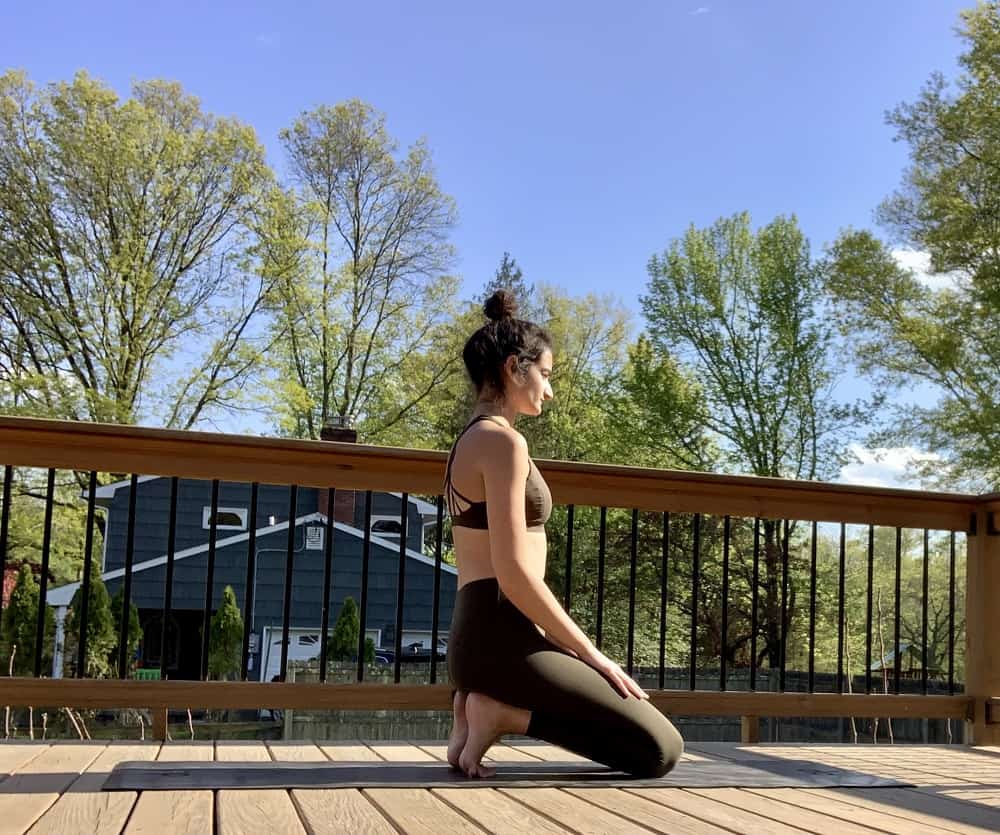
(359, 329)
(369, 651)
(27, 523)
(102, 639)
(225, 637)
(906, 332)
(18, 634)
(126, 237)
(344, 640)
(134, 635)
(509, 276)
(740, 308)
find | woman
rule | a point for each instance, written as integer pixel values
(519, 663)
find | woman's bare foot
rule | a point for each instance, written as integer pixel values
(459, 729)
(488, 720)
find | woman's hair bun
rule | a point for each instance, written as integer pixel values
(501, 305)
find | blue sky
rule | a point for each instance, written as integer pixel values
(580, 136)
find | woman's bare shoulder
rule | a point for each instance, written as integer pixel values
(494, 438)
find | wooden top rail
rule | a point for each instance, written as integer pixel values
(113, 693)
(207, 455)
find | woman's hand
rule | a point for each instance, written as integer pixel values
(622, 682)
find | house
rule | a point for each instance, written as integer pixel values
(309, 521)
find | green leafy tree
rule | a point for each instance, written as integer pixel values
(740, 310)
(907, 333)
(127, 235)
(225, 637)
(360, 328)
(134, 635)
(20, 627)
(509, 276)
(344, 639)
(101, 635)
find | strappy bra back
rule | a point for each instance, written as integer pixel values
(537, 498)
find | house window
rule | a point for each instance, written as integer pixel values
(226, 518)
(387, 527)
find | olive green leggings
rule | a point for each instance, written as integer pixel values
(494, 649)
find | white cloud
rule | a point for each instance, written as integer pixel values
(885, 466)
(699, 11)
(920, 264)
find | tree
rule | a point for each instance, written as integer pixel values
(740, 309)
(344, 640)
(225, 637)
(134, 635)
(906, 332)
(20, 627)
(101, 635)
(509, 276)
(359, 330)
(126, 234)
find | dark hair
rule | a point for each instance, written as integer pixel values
(488, 348)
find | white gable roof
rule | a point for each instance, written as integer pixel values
(62, 595)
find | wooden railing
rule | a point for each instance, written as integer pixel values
(106, 448)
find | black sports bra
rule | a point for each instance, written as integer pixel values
(537, 498)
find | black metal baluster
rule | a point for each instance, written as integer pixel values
(783, 646)
(43, 580)
(206, 621)
(331, 495)
(726, 527)
(695, 589)
(568, 586)
(754, 603)
(8, 475)
(127, 585)
(601, 546)
(951, 615)
(366, 552)
(436, 603)
(868, 609)
(88, 561)
(923, 670)
(633, 562)
(664, 567)
(248, 598)
(168, 581)
(895, 628)
(812, 609)
(400, 587)
(840, 608)
(286, 606)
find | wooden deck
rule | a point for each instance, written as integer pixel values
(56, 788)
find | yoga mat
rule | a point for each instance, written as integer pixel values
(146, 776)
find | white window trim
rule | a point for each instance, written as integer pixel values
(206, 514)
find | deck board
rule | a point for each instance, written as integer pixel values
(646, 812)
(178, 812)
(259, 810)
(38, 784)
(55, 787)
(84, 807)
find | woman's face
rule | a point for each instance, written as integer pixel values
(532, 389)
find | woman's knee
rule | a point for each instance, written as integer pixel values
(661, 752)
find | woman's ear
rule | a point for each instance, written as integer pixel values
(511, 367)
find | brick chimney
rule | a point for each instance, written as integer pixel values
(343, 500)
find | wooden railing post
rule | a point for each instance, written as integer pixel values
(982, 624)
(159, 723)
(749, 730)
